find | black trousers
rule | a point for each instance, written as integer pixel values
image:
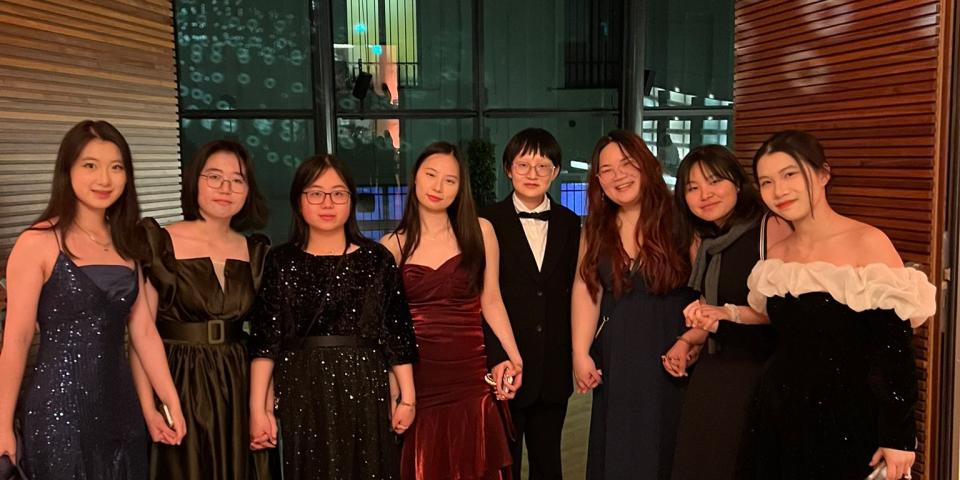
(540, 424)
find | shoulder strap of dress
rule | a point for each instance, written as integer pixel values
(56, 234)
(763, 236)
(399, 245)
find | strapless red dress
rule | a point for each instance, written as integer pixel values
(459, 432)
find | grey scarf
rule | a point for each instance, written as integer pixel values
(705, 276)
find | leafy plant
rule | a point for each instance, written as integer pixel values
(483, 171)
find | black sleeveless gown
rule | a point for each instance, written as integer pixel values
(80, 414)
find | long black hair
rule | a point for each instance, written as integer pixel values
(716, 160)
(462, 213)
(306, 174)
(61, 212)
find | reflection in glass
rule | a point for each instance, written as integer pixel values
(243, 54)
(670, 139)
(380, 154)
(553, 54)
(277, 147)
(387, 58)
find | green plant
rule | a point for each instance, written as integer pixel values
(483, 171)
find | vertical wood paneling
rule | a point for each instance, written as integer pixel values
(868, 78)
(62, 61)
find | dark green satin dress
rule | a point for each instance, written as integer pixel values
(212, 380)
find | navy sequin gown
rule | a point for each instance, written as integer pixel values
(841, 382)
(80, 415)
(333, 401)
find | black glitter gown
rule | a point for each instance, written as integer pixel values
(80, 415)
(841, 382)
(333, 402)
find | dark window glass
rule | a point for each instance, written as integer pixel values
(671, 138)
(548, 54)
(277, 146)
(403, 54)
(244, 54)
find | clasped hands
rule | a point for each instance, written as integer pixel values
(507, 377)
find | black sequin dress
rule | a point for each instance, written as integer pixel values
(841, 382)
(333, 402)
(80, 415)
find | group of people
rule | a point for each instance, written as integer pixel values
(736, 328)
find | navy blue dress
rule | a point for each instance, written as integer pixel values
(80, 415)
(636, 408)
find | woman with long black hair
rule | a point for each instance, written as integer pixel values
(73, 273)
(450, 261)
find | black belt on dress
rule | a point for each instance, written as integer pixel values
(327, 341)
(213, 332)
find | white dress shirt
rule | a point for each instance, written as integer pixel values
(535, 230)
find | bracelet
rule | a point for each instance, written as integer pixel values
(408, 404)
(734, 312)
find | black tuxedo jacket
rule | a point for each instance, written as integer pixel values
(538, 302)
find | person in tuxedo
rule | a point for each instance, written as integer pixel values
(539, 239)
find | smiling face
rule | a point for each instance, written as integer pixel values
(437, 182)
(524, 173)
(98, 176)
(710, 197)
(619, 175)
(222, 187)
(790, 188)
(326, 214)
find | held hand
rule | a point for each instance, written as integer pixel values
(403, 418)
(160, 432)
(179, 423)
(263, 430)
(675, 360)
(703, 316)
(899, 462)
(8, 445)
(694, 354)
(511, 380)
(498, 372)
(585, 373)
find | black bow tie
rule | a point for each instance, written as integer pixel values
(545, 215)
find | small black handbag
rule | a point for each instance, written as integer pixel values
(9, 471)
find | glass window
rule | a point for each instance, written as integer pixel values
(671, 138)
(244, 54)
(409, 54)
(553, 54)
(277, 147)
(577, 135)
(381, 154)
(689, 51)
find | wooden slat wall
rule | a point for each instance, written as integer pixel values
(868, 78)
(62, 61)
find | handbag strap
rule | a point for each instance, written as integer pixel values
(763, 236)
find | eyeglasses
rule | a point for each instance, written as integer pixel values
(317, 197)
(541, 169)
(216, 181)
(609, 173)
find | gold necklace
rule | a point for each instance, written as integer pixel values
(105, 246)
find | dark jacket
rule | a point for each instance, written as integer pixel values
(538, 302)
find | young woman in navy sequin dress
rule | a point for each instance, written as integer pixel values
(72, 274)
(331, 321)
(838, 394)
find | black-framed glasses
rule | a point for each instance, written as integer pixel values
(216, 181)
(541, 169)
(317, 197)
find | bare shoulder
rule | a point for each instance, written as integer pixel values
(486, 227)
(778, 249)
(872, 246)
(36, 246)
(778, 229)
(392, 242)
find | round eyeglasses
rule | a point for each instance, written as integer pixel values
(216, 181)
(317, 197)
(541, 169)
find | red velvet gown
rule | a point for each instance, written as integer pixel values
(459, 430)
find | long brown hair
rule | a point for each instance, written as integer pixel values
(659, 260)
(122, 216)
(462, 213)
